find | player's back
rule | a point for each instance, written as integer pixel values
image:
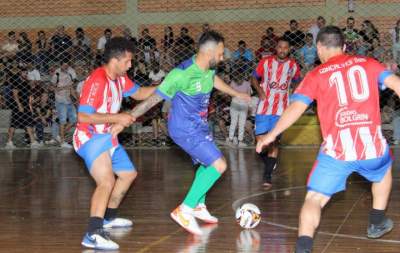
(347, 97)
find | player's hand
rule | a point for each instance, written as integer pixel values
(125, 119)
(265, 140)
(244, 96)
(116, 129)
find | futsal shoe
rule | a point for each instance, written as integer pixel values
(117, 223)
(375, 232)
(201, 213)
(99, 240)
(186, 220)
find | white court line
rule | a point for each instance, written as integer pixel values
(237, 203)
(343, 222)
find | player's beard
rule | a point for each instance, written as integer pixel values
(213, 64)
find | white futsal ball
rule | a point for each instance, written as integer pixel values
(248, 215)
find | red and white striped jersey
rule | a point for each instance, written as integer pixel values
(347, 95)
(100, 94)
(276, 77)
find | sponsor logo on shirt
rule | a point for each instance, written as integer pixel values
(345, 117)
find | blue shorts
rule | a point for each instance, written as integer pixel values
(101, 143)
(201, 148)
(329, 175)
(265, 123)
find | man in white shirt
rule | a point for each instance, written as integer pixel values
(63, 80)
(314, 30)
(103, 40)
(156, 75)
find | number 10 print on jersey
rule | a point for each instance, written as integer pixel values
(346, 91)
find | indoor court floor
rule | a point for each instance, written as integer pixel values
(45, 203)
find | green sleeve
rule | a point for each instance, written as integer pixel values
(172, 83)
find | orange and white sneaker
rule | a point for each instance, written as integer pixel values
(201, 213)
(183, 215)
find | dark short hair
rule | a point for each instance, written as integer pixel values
(331, 37)
(282, 39)
(350, 18)
(11, 33)
(210, 36)
(79, 29)
(117, 47)
(108, 30)
(309, 35)
(242, 42)
(293, 21)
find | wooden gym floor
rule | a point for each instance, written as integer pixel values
(45, 201)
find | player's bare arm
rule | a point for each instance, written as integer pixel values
(256, 85)
(220, 85)
(146, 105)
(144, 92)
(393, 83)
(288, 118)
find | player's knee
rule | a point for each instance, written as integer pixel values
(107, 183)
(316, 198)
(221, 165)
(128, 176)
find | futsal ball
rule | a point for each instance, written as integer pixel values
(248, 216)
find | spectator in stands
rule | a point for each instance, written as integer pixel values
(103, 40)
(377, 50)
(308, 53)
(156, 74)
(24, 48)
(368, 32)
(395, 32)
(63, 82)
(146, 42)
(270, 36)
(363, 46)
(239, 109)
(81, 44)
(351, 35)
(101, 45)
(314, 29)
(141, 74)
(205, 27)
(33, 73)
(21, 109)
(60, 43)
(127, 33)
(42, 51)
(243, 53)
(9, 47)
(267, 48)
(184, 46)
(168, 39)
(294, 35)
(41, 115)
(166, 56)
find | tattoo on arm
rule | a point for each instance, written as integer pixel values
(146, 105)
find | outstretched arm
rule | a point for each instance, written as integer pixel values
(289, 116)
(220, 85)
(146, 105)
(143, 93)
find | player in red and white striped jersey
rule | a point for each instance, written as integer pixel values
(346, 90)
(272, 80)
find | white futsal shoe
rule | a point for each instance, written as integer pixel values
(99, 240)
(117, 223)
(184, 217)
(201, 213)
